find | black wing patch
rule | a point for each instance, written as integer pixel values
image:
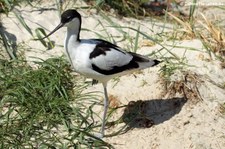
(102, 47)
(99, 50)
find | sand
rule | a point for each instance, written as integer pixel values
(165, 120)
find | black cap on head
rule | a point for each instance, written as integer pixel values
(66, 17)
(69, 15)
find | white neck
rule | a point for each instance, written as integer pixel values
(72, 36)
(73, 31)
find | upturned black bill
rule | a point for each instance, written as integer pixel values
(58, 27)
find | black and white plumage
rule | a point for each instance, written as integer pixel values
(96, 58)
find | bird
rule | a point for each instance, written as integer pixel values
(96, 58)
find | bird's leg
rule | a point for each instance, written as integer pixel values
(106, 104)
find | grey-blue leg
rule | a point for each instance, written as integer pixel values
(106, 104)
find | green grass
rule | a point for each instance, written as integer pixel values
(44, 107)
(124, 8)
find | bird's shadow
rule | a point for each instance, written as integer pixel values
(144, 114)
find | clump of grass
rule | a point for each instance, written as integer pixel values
(185, 28)
(139, 8)
(7, 5)
(211, 34)
(124, 8)
(213, 38)
(44, 107)
(170, 67)
(185, 84)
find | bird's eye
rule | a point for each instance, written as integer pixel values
(69, 18)
(66, 19)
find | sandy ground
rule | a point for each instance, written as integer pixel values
(177, 122)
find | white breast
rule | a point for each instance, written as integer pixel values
(79, 55)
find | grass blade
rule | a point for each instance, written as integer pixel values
(40, 32)
(136, 40)
(22, 22)
(192, 10)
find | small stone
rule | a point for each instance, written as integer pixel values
(186, 122)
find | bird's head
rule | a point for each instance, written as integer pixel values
(67, 18)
